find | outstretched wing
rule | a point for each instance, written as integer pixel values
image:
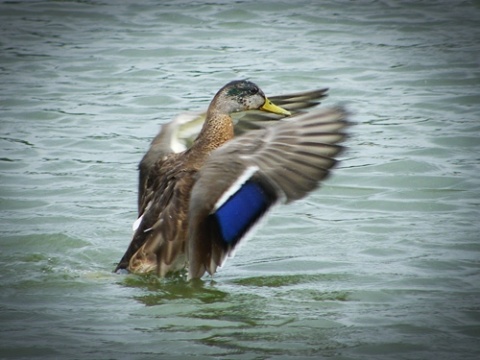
(242, 180)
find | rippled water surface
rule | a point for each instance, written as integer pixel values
(382, 262)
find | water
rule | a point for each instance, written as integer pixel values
(382, 262)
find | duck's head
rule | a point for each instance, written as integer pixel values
(243, 95)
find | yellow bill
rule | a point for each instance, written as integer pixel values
(271, 107)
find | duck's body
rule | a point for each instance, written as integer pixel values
(195, 206)
(179, 134)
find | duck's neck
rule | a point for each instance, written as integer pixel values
(217, 129)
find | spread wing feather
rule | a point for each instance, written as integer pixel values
(289, 160)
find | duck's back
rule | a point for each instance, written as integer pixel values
(159, 239)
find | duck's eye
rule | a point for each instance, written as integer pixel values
(254, 91)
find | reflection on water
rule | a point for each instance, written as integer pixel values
(175, 287)
(382, 262)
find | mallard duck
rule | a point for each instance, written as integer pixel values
(196, 206)
(178, 135)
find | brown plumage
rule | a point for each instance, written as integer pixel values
(196, 206)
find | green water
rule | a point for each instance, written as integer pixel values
(383, 262)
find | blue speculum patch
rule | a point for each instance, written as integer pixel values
(241, 211)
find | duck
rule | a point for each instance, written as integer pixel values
(198, 201)
(178, 135)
